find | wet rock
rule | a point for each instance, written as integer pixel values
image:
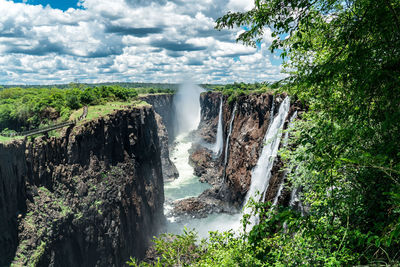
(169, 170)
(251, 122)
(200, 207)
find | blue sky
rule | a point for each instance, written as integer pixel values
(60, 4)
(46, 42)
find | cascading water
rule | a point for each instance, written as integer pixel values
(296, 201)
(286, 138)
(187, 184)
(187, 107)
(285, 142)
(227, 141)
(262, 172)
(217, 149)
(260, 176)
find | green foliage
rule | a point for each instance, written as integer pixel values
(155, 90)
(22, 109)
(239, 89)
(342, 58)
(222, 249)
(38, 253)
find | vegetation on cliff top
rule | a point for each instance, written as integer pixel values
(342, 58)
(233, 91)
(28, 108)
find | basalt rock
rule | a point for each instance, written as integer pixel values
(163, 104)
(200, 207)
(164, 107)
(205, 165)
(169, 169)
(251, 122)
(207, 128)
(92, 197)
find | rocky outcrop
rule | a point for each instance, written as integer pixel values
(163, 106)
(93, 197)
(169, 169)
(199, 207)
(249, 127)
(209, 103)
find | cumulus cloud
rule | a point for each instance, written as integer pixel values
(128, 40)
(240, 5)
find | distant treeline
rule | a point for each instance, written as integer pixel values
(28, 108)
(237, 89)
(78, 84)
(155, 86)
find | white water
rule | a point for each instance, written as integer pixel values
(262, 172)
(187, 184)
(227, 140)
(293, 197)
(285, 142)
(217, 149)
(187, 118)
(214, 222)
(187, 107)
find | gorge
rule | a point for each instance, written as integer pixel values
(97, 194)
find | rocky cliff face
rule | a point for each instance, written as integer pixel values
(170, 172)
(92, 197)
(250, 124)
(163, 104)
(164, 108)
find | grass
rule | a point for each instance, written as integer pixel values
(93, 113)
(147, 94)
(107, 108)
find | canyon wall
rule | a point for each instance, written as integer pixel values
(165, 115)
(252, 118)
(92, 197)
(163, 104)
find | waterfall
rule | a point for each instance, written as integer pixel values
(295, 201)
(217, 149)
(285, 142)
(293, 197)
(278, 194)
(227, 141)
(187, 107)
(286, 138)
(262, 171)
(187, 117)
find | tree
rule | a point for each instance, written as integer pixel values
(343, 59)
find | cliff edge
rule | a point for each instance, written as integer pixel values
(92, 197)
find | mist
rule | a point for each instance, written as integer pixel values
(187, 108)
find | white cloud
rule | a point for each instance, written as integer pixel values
(156, 41)
(240, 5)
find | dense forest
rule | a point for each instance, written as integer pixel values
(342, 59)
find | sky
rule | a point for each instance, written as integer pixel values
(166, 41)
